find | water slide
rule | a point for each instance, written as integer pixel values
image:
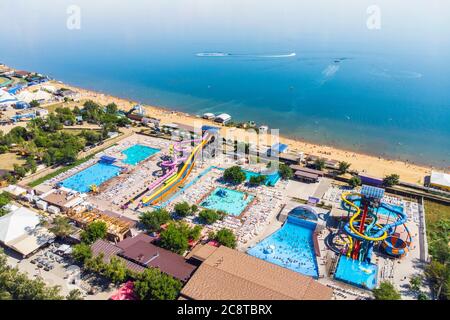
(172, 178)
(380, 232)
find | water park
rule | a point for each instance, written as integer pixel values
(346, 238)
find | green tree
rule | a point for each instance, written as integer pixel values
(34, 104)
(354, 181)
(386, 291)
(94, 231)
(257, 180)
(61, 227)
(439, 276)
(234, 175)
(75, 294)
(285, 171)
(152, 284)
(391, 180)
(177, 235)
(343, 167)
(210, 216)
(319, 164)
(183, 209)
(153, 220)
(226, 238)
(5, 199)
(116, 270)
(81, 252)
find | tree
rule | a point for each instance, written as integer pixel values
(386, 291)
(116, 270)
(257, 180)
(285, 171)
(439, 276)
(183, 209)
(94, 231)
(75, 294)
(152, 284)
(61, 227)
(34, 104)
(210, 216)
(15, 285)
(153, 220)
(391, 180)
(226, 238)
(82, 252)
(343, 167)
(354, 181)
(234, 175)
(5, 199)
(177, 235)
(319, 164)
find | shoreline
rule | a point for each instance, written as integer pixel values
(373, 165)
(370, 164)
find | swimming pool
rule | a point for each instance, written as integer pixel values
(357, 273)
(290, 247)
(272, 178)
(96, 174)
(138, 153)
(230, 201)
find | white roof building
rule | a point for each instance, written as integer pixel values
(39, 95)
(20, 231)
(223, 118)
(440, 179)
(7, 99)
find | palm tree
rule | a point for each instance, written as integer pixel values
(343, 167)
(61, 227)
(319, 164)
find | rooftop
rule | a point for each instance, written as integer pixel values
(440, 178)
(228, 274)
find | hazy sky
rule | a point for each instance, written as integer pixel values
(407, 23)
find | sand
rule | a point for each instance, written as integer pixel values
(372, 165)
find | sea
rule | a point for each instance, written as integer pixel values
(350, 74)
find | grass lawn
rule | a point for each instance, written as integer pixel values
(7, 160)
(438, 221)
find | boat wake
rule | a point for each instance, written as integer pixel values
(226, 54)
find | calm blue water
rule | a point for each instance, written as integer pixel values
(361, 274)
(272, 179)
(138, 153)
(96, 174)
(290, 247)
(383, 91)
(230, 201)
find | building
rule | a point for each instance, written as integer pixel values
(209, 116)
(139, 253)
(62, 198)
(263, 129)
(21, 74)
(7, 99)
(20, 231)
(370, 180)
(22, 105)
(440, 180)
(227, 274)
(223, 118)
(307, 170)
(306, 177)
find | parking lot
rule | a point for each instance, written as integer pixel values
(55, 266)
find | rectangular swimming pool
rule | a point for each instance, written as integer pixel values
(290, 247)
(138, 153)
(360, 274)
(230, 201)
(96, 174)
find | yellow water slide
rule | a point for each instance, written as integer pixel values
(173, 181)
(355, 216)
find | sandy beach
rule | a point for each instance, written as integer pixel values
(372, 165)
